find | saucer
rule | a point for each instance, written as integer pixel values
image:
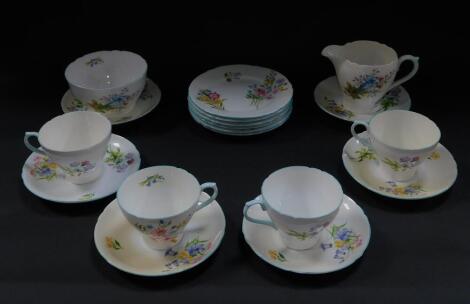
(147, 101)
(43, 179)
(328, 97)
(342, 242)
(434, 176)
(122, 245)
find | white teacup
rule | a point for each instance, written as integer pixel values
(300, 202)
(160, 201)
(401, 139)
(76, 142)
(108, 82)
(366, 71)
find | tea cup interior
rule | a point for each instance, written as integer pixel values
(368, 53)
(158, 192)
(302, 192)
(404, 130)
(74, 131)
(106, 70)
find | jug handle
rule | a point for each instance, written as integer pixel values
(415, 61)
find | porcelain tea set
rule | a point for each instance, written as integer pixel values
(163, 222)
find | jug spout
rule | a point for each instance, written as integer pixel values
(332, 52)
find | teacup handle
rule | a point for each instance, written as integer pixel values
(215, 192)
(415, 61)
(364, 141)
(28, 145)
(257, 201)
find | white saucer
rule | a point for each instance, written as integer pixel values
(341, 244)
(147, 101)
(122, 245)
(434, 176)
(44, 180)
(328, 97)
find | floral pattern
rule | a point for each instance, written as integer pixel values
(403, 164)
(276, 256)
(78, 168)
(343, 240)
(165, 230)
(304, 235)
(117, 159)
(77, 105)
(94, 61)
(87, 196)
(211, 98)
(399, 190)
(340, 110)
(367, 85)
(113, 243)
(390, 99)
(434, 155)
(153, 179)
(112, 102)
(192, 252)
(43, 169)
(270, 87)
(229, 76)
(364, 154)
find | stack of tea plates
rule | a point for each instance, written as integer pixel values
(240, 100)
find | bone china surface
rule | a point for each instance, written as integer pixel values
(109, 82)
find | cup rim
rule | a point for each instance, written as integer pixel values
(119, 194)
(402, 149)
(383, 45)
(90, 147)
(135, 79)
(303, 217)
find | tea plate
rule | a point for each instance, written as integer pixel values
(434, 176)
(328, 97)
(148, 100)
(45, 179)
(122, 245)
(341, 243)
(244, 132)
(240, 91)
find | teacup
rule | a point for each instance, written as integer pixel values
(401, 139)
(300, 202)
(108, 82)
(76, 143)
(159, 201)
(366, 71)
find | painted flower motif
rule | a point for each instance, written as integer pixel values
(153, 179)
(211, 98)
(78, 168)
(87, 197)
(403, 164)
(367, 85)
(192, 252)
(344, 241)
(364, 154)
(304, 235)
(113, 243)
(399, 190)
(267, 90)
(42, 169)
(229, 76)
(77, 105)
(276, 255)
(390, 99)
(434, 155)
(333, 107)
(117, 159)
(112, 102)
(94, 61)
(164, 230)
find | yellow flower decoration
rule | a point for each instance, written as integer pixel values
(434, 155)
(184, 255)
(109, 242)
(272, 254)
(339, 243)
